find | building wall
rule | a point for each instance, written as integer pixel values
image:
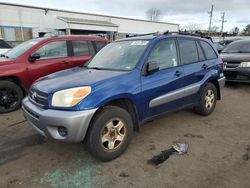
(43, 19)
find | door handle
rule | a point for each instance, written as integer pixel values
(178, 73)
(204, 66)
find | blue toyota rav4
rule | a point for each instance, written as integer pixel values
(129, 82)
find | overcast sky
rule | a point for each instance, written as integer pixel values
(175, 11)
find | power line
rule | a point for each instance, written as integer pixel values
(223, 21)
(211, 18)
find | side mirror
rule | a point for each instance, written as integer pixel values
(152, 67)
(34, 57)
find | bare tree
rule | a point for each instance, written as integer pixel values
(235, 31)
(192, 27)
(153, 14)
(214, 28)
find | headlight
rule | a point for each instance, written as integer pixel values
(245, 64)
(70, 97)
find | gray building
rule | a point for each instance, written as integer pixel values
(21, 22)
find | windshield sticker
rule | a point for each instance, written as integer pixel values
(139, 43)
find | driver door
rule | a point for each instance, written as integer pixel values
(162, 90)
(53, 58)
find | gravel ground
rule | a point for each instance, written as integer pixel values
(219, 149)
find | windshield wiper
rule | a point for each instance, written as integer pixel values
(240, 51)
(2, 55)
(96, 68)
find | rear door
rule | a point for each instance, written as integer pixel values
(195, 65)
(80, 51)
(162, 90)
(53, 58)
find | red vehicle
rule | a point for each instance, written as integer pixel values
(36, 58)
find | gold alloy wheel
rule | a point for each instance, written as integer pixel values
(113, 134)
(209, 99)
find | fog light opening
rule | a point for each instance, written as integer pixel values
(62, 131)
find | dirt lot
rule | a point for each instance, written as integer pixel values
(217, 157)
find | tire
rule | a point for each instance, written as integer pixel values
(207, 105)
(11, 96)
(107, 126)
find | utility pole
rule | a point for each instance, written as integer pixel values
(211, 18)
(222, 22)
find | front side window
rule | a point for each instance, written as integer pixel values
(53, 50)
(164, 54)
(188, 51)
(121, 55)
(209, 52)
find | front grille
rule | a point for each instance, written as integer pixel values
(38, 98)
(232, 65)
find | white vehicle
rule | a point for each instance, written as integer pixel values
(4, 46)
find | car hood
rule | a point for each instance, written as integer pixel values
(5, 61)
(74, 77)
(236, 57)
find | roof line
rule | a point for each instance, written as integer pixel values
(77, 12)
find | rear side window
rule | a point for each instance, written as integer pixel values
(82, 48)
(209, 52)
(188, 51)
(100, 45)
(200, 52)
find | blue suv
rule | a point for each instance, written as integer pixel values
(128, 83)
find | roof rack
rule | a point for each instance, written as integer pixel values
(140, 35)
(196, 34)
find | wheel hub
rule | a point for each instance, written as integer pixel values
(209, 99)
(8, 98)
(113, 134)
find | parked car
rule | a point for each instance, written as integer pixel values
(218, 46)
(129, 82)
(228, 41)
(4, 46)
(36, 58)
(236, 57)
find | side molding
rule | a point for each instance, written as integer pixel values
(174, 95)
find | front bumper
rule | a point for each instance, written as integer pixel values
(48, 122)
(239, 74)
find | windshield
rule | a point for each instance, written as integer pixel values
(21, 48)
(238, 47)
(123, 55)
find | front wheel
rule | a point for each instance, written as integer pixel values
(110, 133)
(11, 96)
(207, 101)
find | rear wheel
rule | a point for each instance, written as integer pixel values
(207, 101)
(11, 96)
(110, 133)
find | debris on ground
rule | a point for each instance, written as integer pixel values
(124, 175)
(246, 156)
(179, 148)
(17, 123)
(190, 135)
